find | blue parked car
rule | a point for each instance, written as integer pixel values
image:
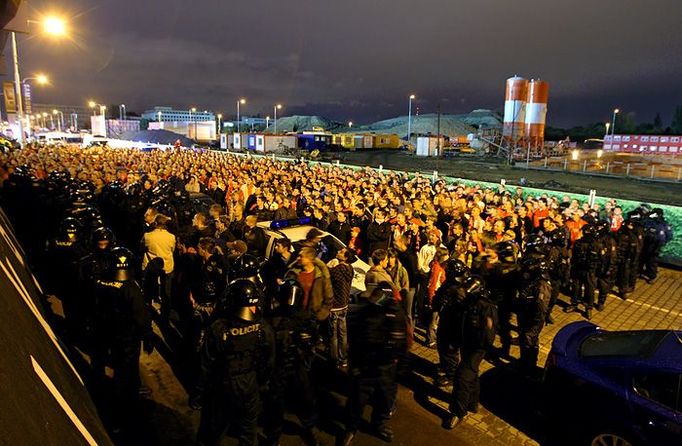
(615, 388)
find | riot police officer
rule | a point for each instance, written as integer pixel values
(558, 259)
(608, 262)
(478, 325)
(377, 339)
(534, 297)
(236, 359)
(628, 256)
(656, 234)
(295, 333)
(500, 270)
(448, 302)
(584, 271)
(64, 254)
(122, 320)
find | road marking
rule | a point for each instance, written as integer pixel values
(14, 278)
(12, 245)
(62, 402)
(653, 307)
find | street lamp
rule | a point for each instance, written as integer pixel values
(122, 112)
(40, 79)
(51, 25)
(239, 102)
(60, 121)
(277, 107)
(44, 119)
(613, 124)
(350, 124)
(220, 116)
(192, 110)
(267, 122)
(409, 119)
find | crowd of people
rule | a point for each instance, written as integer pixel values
(120, 238)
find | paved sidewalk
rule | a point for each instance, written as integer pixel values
(655, 306)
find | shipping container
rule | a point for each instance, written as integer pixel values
(430, 145)
(314, 141)
(385, 141)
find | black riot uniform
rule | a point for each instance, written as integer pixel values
(534, 297)
(628, 256)
(64, 254)
(608, 262)
(656, 234)
(295, 333)
(502, 278)
(377, 338)
(236, 359)
(558, 259)
(448, 301)
(92, 267)
(122, 321)
(584, 265)
(208, 286)
(478, 325)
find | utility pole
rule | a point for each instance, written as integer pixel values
(438, 131)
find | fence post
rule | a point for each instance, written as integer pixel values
(565, 163)
(546, 158)
(627, 170)
(653, 168)
(584, 165)
(607, 166)
(679, 173)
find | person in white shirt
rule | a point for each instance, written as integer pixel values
(158, 247)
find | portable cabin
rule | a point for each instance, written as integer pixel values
(251, 141)
(279, 143)
(385, 141)
(363, 141)
(429, 145)
(314, 141)
(237, 141)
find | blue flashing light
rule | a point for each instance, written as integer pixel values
(279, 224)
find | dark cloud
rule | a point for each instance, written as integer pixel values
(360, 59)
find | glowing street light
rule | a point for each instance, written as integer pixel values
(409, 118)
(575, 154)
(277, 107)
(241, 101)
(54, 26)
(220, 116)
(613, 123)
(350, 124)
(267, 122)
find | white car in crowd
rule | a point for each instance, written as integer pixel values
(296, 231)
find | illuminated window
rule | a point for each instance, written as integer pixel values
(654, 139)
(616, 138)
(644, 139)
(652, 148)
(626, 138)
(663, 149)
(675, 139)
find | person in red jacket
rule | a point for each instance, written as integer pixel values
(436, 279)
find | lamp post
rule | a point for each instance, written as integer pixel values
(60, 121)
(92, 105)
(53, 26)
(220, 117)
(44, 119)
(74, 121)
(158, 116)
(122, 112)
(409, 119)
(350, 124)
(613, 124)
(277, 107)
(192, 110)
(239, 102)
(267, 122)
(41, 79)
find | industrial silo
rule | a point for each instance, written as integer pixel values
(536, 113)
(515, 98)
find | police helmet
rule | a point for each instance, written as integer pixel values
(456, 269)
(70, 228)
(603, 227)
(242, 294)
(589, 231)
(656, 213)
(534, 267)
(505, 251)
(103, 234)
(121, 266)
(534, 243)
(290, 294)
(244, 267)
(473, 285)
(558, 238)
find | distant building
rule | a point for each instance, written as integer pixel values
(643, 143)
(168, 114)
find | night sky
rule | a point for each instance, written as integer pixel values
(360, 59)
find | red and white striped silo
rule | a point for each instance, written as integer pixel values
(536, 113)
(515, 97)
